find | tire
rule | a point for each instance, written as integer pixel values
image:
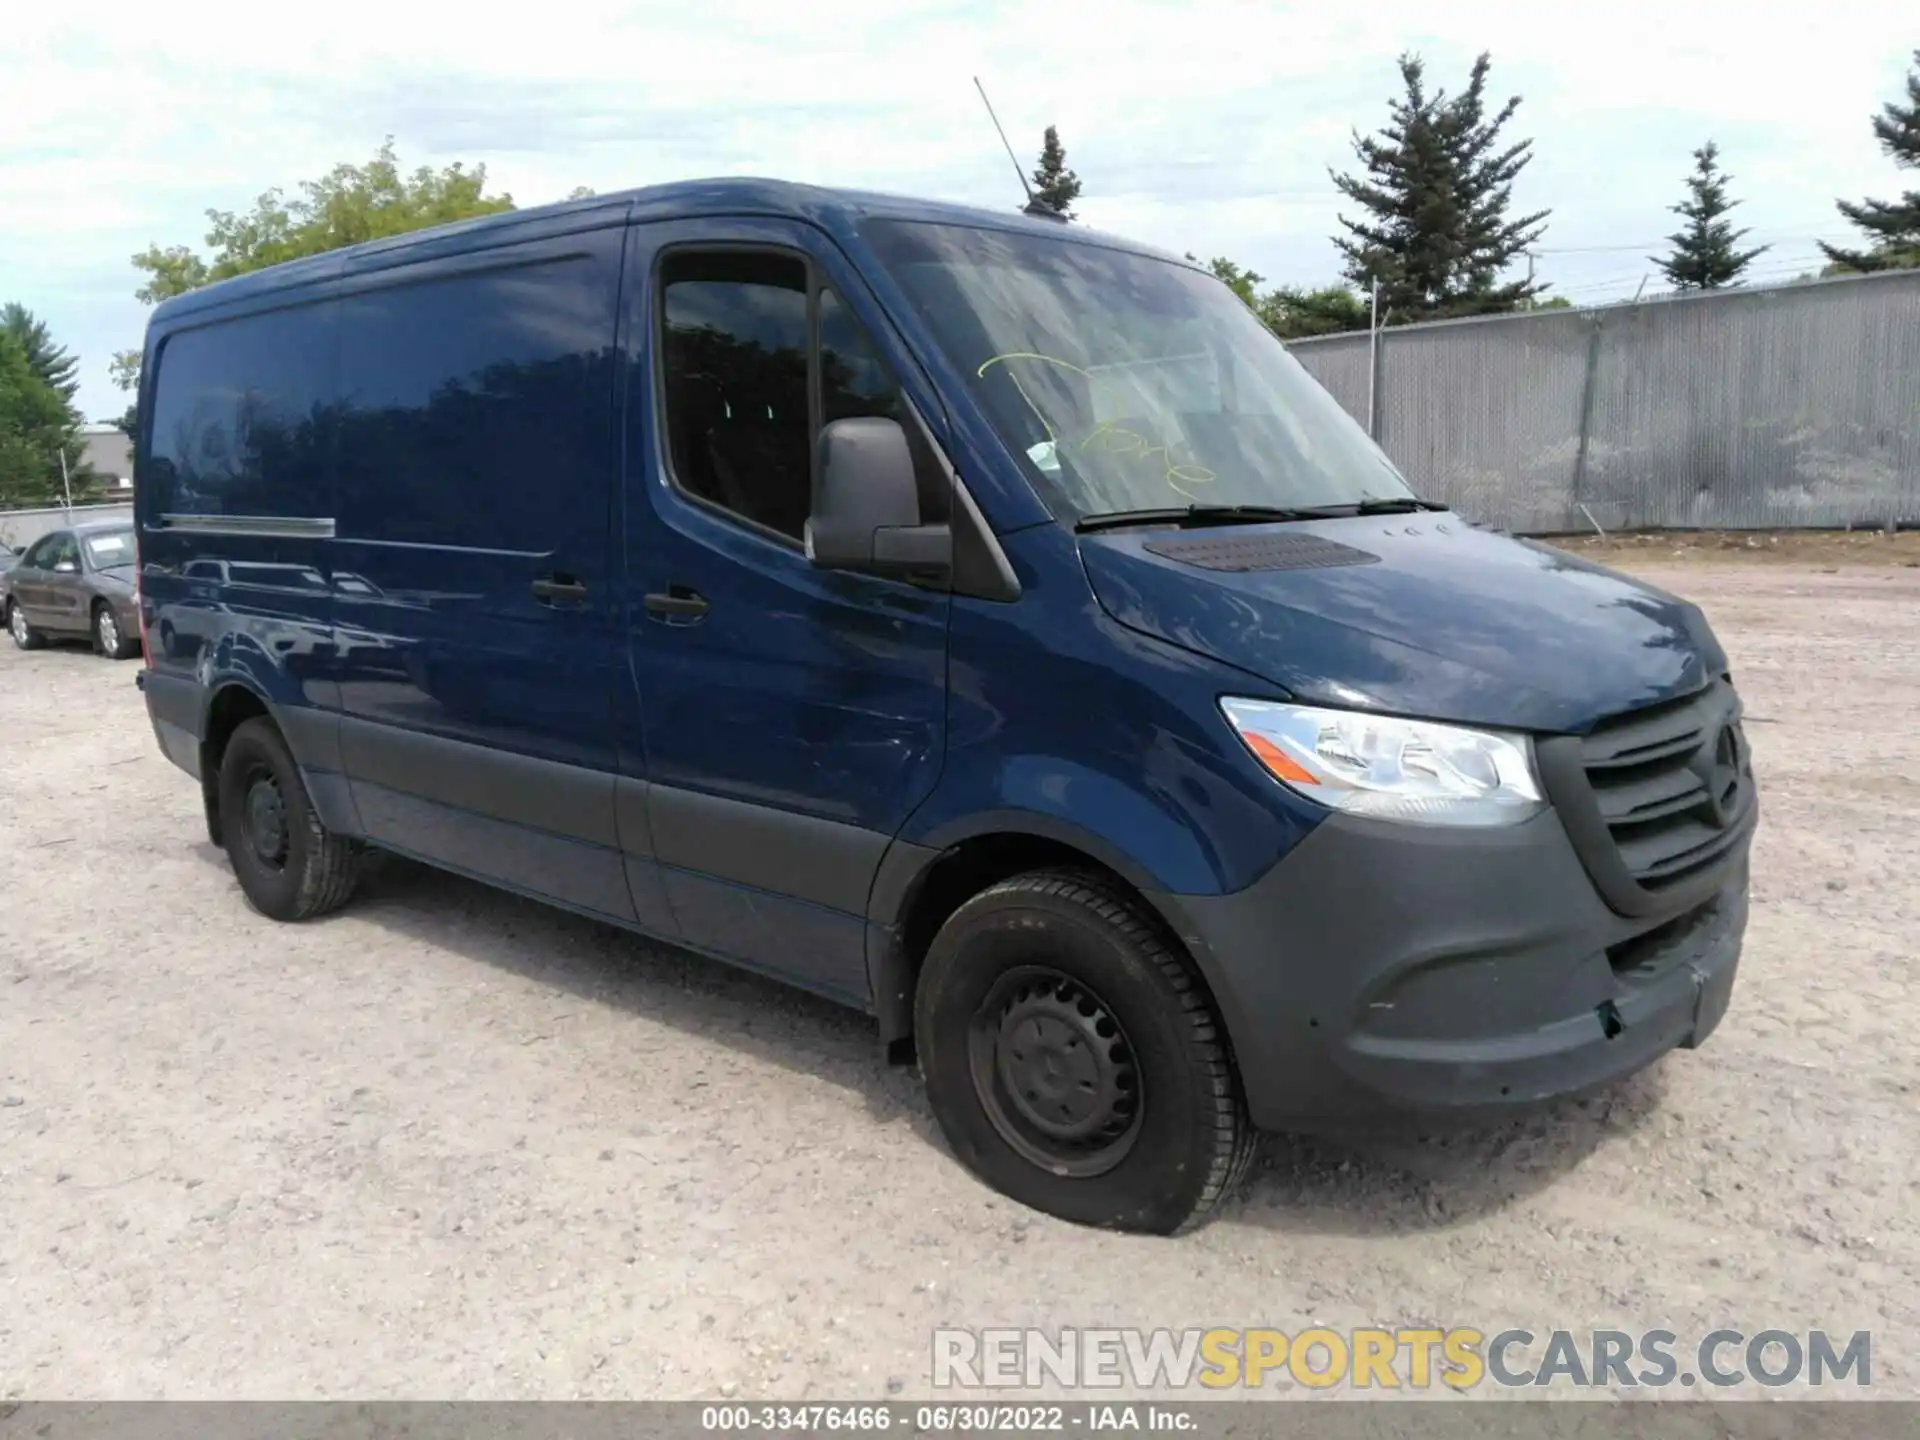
(290, 866)
(24, 635)
(107, 638)
(1061, 981)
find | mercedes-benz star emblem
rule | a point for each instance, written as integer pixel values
(1722, 774)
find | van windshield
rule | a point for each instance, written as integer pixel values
(1127, 382)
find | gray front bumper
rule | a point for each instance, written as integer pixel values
(1381, 970)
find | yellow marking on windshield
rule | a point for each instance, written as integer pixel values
(1177, 477)
(991, 361)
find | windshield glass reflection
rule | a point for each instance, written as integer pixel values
(1127, 382)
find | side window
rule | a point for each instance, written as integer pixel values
(40, 555)
(854, 380)
(242, 416)
(65, 551)
(477, 407)
(734, 365)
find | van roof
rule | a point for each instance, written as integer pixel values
(834, 210)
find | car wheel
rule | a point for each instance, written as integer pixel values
(24, 635)
(289, 865)
(1073, 1058)
(107, 638)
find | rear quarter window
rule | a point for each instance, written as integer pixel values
(243, 418)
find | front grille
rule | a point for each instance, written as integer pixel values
(1672, 784)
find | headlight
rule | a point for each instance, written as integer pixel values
(1416, 771)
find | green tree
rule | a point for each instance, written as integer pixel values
(37, 425)
(58, 369)
(1298, 314)
(1892, 227)
(347, 205)
(1288, 311)
(1436, 186)
(1705, 253)
(1054, 185)
(1244, 283)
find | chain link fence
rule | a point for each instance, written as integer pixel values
(1753, 409)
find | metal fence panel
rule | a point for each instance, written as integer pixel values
(1795, 406)
(1507, 401)
(1340, 364)
(1789, 407)
(20, 528)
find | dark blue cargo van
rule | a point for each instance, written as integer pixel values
(968, 617)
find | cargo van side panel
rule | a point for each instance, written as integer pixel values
(472, 583)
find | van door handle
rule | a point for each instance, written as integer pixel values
(678, 600)
(558, 590)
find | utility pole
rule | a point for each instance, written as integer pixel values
(66, 485)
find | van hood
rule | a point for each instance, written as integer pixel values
(1443, 621)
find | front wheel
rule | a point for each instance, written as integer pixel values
(24, 635)
(289, 865)
(1073, 1059)
(107, 636)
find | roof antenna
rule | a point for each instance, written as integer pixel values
(1034, 205)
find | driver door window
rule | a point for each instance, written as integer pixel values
(740, 372)
(734, 353)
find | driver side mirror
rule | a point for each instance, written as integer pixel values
(866, 511)
(65, 567)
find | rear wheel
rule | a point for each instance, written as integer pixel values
(1073, 1059)
(289, 865)
(24, 634)
(107, 636)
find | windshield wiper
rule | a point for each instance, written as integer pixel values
(1398, 505)
(1199, 515)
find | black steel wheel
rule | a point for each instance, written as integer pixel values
(289, 864)
(1073, 1058)
(1054, 1072)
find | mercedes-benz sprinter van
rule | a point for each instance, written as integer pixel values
(972, 618)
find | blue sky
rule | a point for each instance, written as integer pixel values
(1203, 126)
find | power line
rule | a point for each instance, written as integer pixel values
(1771, 237)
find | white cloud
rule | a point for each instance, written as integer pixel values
(1206, 126)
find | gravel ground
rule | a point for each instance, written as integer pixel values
(450, 1143)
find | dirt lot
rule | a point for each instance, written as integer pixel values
(452, 1143)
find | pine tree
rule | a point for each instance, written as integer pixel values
(56, 368)
(1892, 226)
(1437, 187)
(1704, 257)
(1054, 185)
(37, 427)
